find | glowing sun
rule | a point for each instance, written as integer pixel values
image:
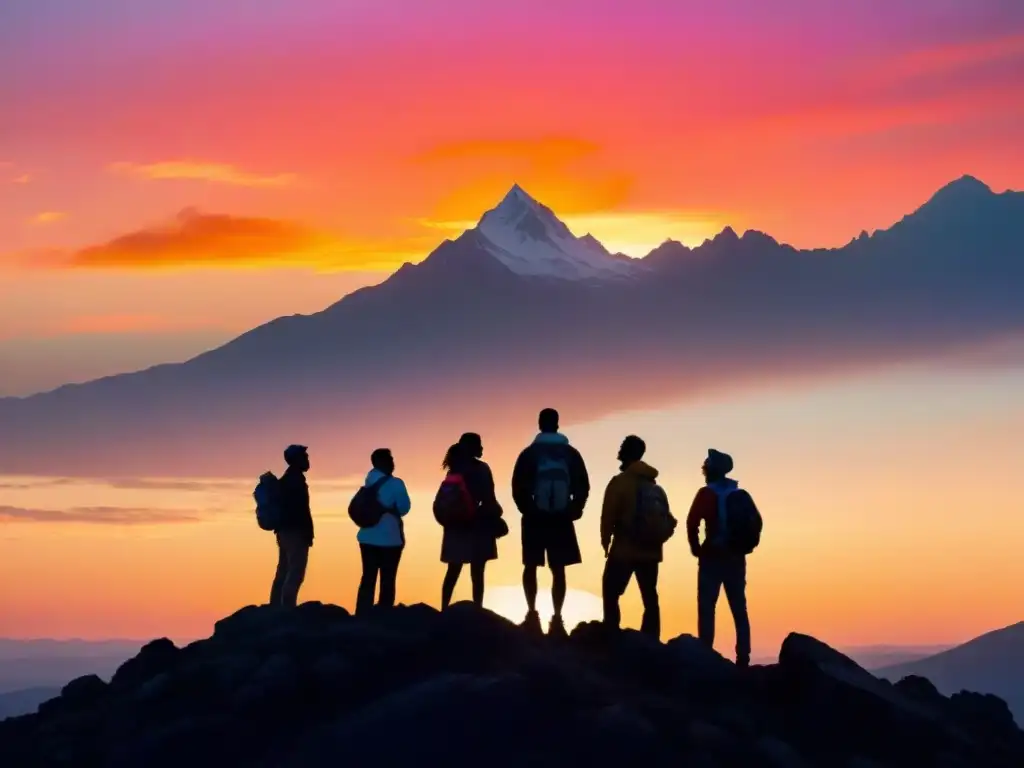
(510, 602)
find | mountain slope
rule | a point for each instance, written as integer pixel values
(434, 348)
(992, 663)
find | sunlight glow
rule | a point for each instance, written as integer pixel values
(580, 606)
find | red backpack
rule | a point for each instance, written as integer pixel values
(453, 504)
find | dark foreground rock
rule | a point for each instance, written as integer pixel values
(411, 686)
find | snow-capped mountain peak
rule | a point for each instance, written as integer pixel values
(529, 239)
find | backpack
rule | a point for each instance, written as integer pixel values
(365, 508)
(453, 504)
(269, 513)
(652, 523)
(742, 523)
(552, 486)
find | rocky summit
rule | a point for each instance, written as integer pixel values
(410, 686)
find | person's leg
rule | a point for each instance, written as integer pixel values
(709, 585)
(390, 558)
(368, 583)
(533, 558)
(451, 578)
(280, 574)
(530, 587)
(613, 584)
(476, 573)
(298, 558)
(647, 580)
(558, 588)
(735, 581)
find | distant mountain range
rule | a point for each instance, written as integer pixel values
(518, 313)
(33, 671)
(992, 663)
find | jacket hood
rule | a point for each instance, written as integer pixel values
(725, 485)
(550, 438)
(643, 469)
(373, 477)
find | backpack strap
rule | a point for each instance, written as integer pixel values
(376, 486)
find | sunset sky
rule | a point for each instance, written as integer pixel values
(158, 159)
(174, 172)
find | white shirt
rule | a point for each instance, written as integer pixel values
(392, 495)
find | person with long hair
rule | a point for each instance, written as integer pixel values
(473, 543)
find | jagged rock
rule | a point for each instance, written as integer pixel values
(313, 686)
(699, 664)
(83, 691)
(153, 658)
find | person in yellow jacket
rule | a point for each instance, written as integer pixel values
(633, 542)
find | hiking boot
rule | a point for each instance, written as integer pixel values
(557, 628)
(532, 623)
(743, 662)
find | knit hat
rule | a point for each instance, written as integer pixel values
(718, 462)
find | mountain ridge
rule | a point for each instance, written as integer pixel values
(964, 187)
(731, 310)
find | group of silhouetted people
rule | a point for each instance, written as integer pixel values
(550, 488)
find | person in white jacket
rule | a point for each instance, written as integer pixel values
(381, 545)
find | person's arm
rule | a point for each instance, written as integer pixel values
(402, 504)
(580, 483)
(522, 483)
(487, 496)
(304, 508)
(609, 514)
(693, 519)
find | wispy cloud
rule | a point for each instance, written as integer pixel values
(214, 173)
(48, 217)
(24, 178)
(98, 515)
(195, 238)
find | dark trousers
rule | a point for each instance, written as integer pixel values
(714, 574)
(617, 574)
(381, 561)
(292, 558)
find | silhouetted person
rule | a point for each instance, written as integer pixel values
(295, 531)
(381, 545)
(629, 552)
(719, 566)
(550, 487)
(475, 543)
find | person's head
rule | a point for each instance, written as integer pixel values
(548, 420)
(382, 460)
(716, 466)
(297, 457)
(454, 457)
(631, 450)
(472, 444)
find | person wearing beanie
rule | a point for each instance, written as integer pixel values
(720, 563)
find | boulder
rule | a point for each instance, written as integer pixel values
(153, 658)
(83, 691)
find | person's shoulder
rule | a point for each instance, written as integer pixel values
(618, 480)
(527, 452)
